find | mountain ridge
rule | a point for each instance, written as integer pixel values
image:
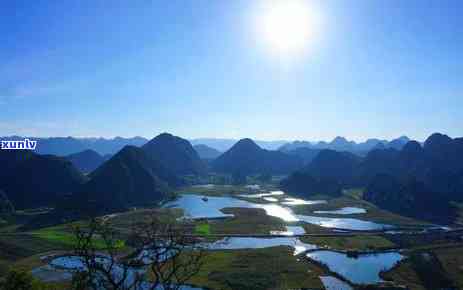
(248, 158)
(86, 161)
(175, 153)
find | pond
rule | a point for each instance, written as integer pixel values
(344, 210)
(198, 206)
(238, 243)
(343, 223)
(363, 269)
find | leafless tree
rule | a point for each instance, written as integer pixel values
(164, 257)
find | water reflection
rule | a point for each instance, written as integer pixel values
(260, 195)
(278, 211)
(197, 206)
(271, 199)
(343, 223)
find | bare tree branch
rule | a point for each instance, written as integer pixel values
(161, 251)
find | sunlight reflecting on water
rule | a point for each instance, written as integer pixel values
(237, 243)
(279, 211)
(298, 201)
(260, 195)
(344, 210)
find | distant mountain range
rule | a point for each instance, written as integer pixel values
(222, 144)
(342, 144)
(247, 157)
(63, 146)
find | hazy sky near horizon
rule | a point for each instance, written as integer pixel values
(200, 68)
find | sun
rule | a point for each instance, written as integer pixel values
(287, 27)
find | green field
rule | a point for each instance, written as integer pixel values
(203, 229)
(355, 243)
(273, 268)
(246, 221)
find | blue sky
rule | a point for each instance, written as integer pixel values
(197, 68)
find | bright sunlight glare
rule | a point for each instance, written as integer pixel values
(287, 27)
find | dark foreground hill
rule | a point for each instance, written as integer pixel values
(30, 180)
(303, 184)
(335, 165)
(175, 154)
(248, 158)
(410, 197)
(419, 181)
(86, 161)
(325, 174)
(130, 178)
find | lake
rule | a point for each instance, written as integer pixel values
(198, 206)
(363, 269)
(343, 223)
